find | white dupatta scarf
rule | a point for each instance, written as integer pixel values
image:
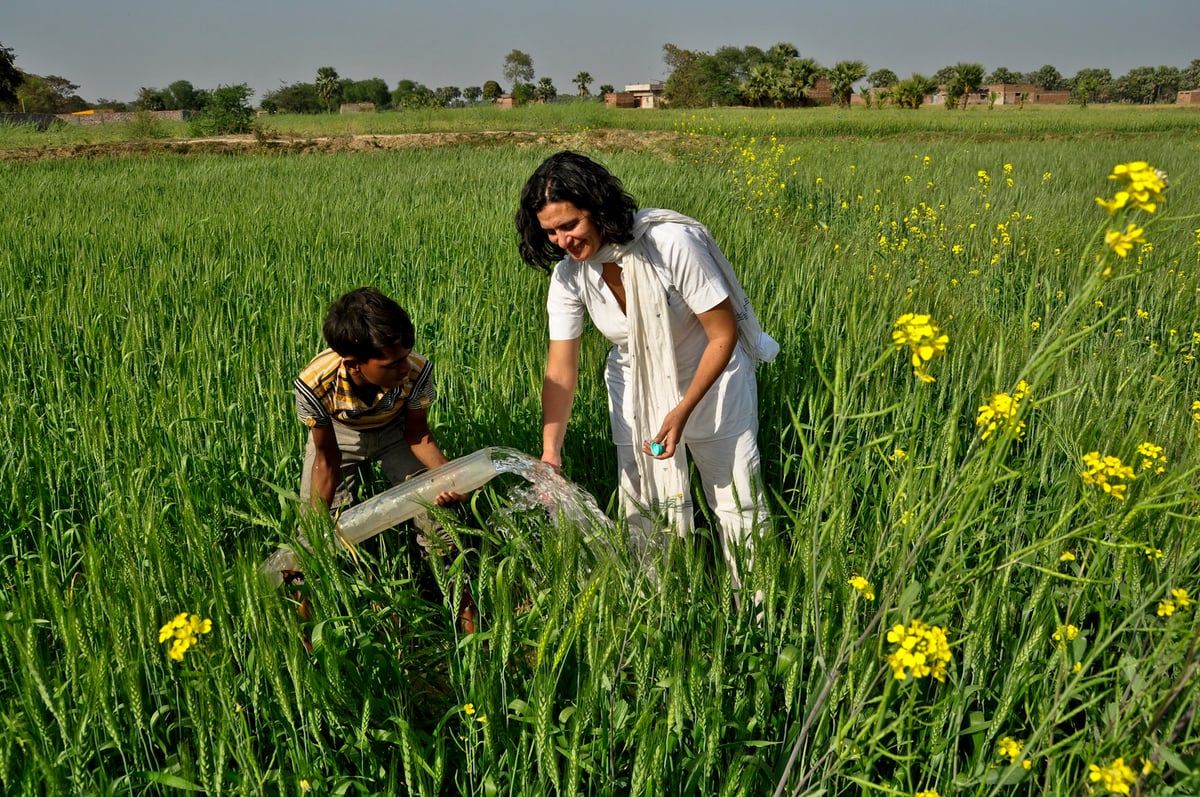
(665, 496)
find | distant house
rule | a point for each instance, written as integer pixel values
(636, 95)
(1006, 94)
(1188, 97)
(356, 107)
(1010, 94)
(620, 99)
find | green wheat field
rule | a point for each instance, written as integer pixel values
(982, 564)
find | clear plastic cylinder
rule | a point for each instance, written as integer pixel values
(405, 501)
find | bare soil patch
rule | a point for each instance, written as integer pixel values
(629, 140)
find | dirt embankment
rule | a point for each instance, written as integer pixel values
(249, 144)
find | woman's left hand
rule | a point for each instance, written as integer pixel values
(669, 434)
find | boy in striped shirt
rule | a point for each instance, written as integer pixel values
(366, 399)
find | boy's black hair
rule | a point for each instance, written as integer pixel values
(571, 177)
(360, 323)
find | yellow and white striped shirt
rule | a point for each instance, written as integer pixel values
(325, 393)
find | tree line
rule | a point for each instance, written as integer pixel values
(775, 77)
(780, 77)
(329, 90)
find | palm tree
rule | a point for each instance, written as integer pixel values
(842, 78)
(329, 85)
(911, 93)
(758, 84)
(796, 78)
(582, 80)
(966, 78)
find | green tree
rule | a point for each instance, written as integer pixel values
(780, 54)
(911, 93)
(182, 95)
(683, 87)
(882, 78)
(1091, 85)
(445, 96)
(329, 86)
(491, 90)
(1003, 74)
(758, 88)
(842, 78)
(472, 94)
(522, 93)
(1167, 80)
(411, 95)
(49, 94)
(944, 75)
(582, 81)
(11, 78)
(606, 88)
(228, 111)
(1047, 79)
(1147, 84)
(1189, 78)
(545, 91)
(798, 77)
(293, 98)
(372, 90)
(518, 68)
(967, 78)
(150, 99)
(723, 73)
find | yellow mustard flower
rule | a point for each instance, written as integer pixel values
(183, 631)
(1064, 634)
(1067, 556)
(1153, 553)
(469, 709)
(1166, 608)
(1107, 473)
(1144, 184)
(927, 793)
(924, 340)
(1000, 413)
(1011, 748)
(1122, 242)
(1152, 457)
(863, 586)
(920, 650)
(1117, 777)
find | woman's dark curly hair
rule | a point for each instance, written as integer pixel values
(571, 177)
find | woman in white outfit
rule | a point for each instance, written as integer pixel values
(680, 373)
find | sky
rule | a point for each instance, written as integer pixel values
(111, 48)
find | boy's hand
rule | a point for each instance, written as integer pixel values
(447, 498)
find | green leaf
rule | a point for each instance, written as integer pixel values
(174, 781)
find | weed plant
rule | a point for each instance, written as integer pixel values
(159, 308)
